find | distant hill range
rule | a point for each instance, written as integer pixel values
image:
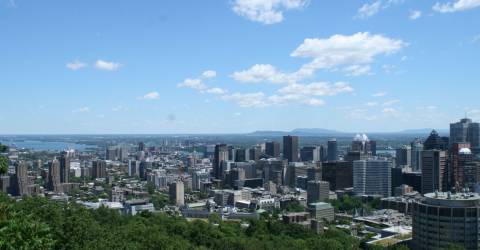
(334, 133)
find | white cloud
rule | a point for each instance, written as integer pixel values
(314, 102)
(355, 52)
(76, 65)
(216, 91)
(391, 102)
(368, 10)
(357, 49)
(380, 94)
(150, 96)
(388, 68)
(266, 11)
(108, 66)
(247, 100)
(357, 70)
(82, 110)
(415, 14)
(209, 74)
(389, 110)
(371, 104)
(305, 94)
(193, 84)
(261, 73)
(457, 5)
(316, 89)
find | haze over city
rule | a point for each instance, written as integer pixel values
(160, 67)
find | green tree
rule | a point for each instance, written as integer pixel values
(3, 165)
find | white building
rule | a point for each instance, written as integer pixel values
(372, 177)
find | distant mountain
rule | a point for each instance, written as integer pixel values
(424, 131)
(316, 131)
(300, 132)
(335, 133)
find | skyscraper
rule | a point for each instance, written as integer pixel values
(141, 146)
(99, 169)
(53, 183)
(272, 149)
(433, 171)
(332, 150)
(466, 131)
(436, 142)
(417, 148)
(240, 155)
(220, 156)
(20, 183)
(254, 153)
(442, 219)
(460, 154)
(310, 153)
(403, 156)
(317, 191)
(64, 167)
(372, 177)
(176, 191)
(290, 148)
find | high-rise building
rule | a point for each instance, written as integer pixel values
(254, 153)
(403, 156)
(272, 149)
(460, 155)
(64, 167)
(290, 148)
(53, 183)
(20, 183)
(198, 177)
(465, 168)
(220, 156)
(143, 167)
(111, 153)
(99, 169)
(433, 171)
(416, 158)
(176, 191)
(311, 153)
(332, 150)
(436, 142)
(362, 144)
(317, 191)
(440, 220)
(141, 146)
(338, 173)
(240, 155)
(466, 131)
(133, 168)
(372, 177)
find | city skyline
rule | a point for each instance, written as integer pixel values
(237, 66)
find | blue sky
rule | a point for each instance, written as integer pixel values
(177, 66)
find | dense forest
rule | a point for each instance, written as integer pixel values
(36, 223)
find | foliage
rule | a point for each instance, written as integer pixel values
(159, 200)
(36, 223)
(3, 165)
(349, 204)
(3, 148)
(295, 206)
